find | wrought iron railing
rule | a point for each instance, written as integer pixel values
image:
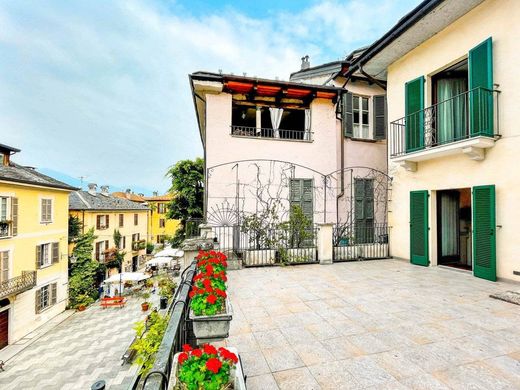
(470, 114)
(279, 134)
(192, 228)
(18, 284)
(360, 241)
(259, 247)
(5, 229)
(178, 333)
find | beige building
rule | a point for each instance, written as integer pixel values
(106, 214)
(450, 68)
(33, 248)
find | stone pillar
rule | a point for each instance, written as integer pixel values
(192, 246)
(325, 247)
(206, 231)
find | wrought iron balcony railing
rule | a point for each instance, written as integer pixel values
(470, 114)
(265, 133)
(5, 229)
(18, 284)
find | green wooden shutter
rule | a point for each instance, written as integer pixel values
(379, 110)
(484, 239)
(307, 206)
(14, 216)
(414, 122)
(348, 116)
(419, 228)
(480, 61)
(364, 210)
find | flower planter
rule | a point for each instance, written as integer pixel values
(300, 255)
(260, 256)
(145, 306)
(237, 375)
(212, 328)
(81, 308)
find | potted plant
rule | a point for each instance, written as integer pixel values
(210, 309)
(208, 368)
(145, 305)
(82, 301)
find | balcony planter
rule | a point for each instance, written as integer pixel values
(300, 255)
(260, 256)
(212, 328)
(236, 375)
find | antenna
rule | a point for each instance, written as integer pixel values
(81, 178)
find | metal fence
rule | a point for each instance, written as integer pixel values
(268, 246)
(192, 227)
(269, 133)
(178, 332)
(351, 242)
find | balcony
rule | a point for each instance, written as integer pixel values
(466, 123)
(271, 134)
(18, 284)
(5, 229)
(138, 245)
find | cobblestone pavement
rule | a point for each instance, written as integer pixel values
(376, 325)
(82, 349)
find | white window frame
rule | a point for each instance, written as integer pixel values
(356, 127)
(45, 249)
(51, 217)
(103, 222)
(7, 216)
(2, 253)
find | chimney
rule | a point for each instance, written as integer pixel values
(104, 190)
(155, 193)
(92, 188)
(305, 62)
(141, 195)
(128, 192)
(6, 159)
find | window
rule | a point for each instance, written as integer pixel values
(121, 220)
(102, 222)
(301, 194)
(162, 223)
(4, 266)
(135, 237)
(160, 239)
(46, 211)
(364, 210)
(161, 208)
(136, 219)
(4, 215)
(360, 117)
(122, 243)
(47, 254)
(46, 297)
(101, 247)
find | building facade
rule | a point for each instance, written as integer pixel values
(160, 227)
(453, 137)
(106, 214)
(33, 248)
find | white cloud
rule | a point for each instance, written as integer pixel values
(101, 88)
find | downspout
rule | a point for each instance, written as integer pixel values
(342, 160)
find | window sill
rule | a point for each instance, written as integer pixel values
(5, 237)
(46, 222)
(45, 266)
(273, 139)
(46, 308)
(369, 140)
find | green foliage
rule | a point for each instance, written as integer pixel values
(261, 227)
(145, 296)
(187, 178)
(298, 228)
(149, 247)
(75, 227)
(84, 299)
(83, 271)
(194, 374)
(167, 287)
(148, 341)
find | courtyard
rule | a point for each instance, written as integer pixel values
(379, 324)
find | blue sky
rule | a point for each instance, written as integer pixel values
(100, 89)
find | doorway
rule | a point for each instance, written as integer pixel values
(4, 322)
(135, 263)
(454, 228)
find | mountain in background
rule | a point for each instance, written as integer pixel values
(76, 182)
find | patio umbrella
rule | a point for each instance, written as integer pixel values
(172, 252)
(127, 277)
(159, 260)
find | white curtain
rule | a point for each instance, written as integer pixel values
(449, 218)
(307, 135)
(276, 118)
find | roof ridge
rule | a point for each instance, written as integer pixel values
(83, 199)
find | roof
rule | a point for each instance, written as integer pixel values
(159, 198)
(8, 149)
(131, 196)
(319, 70)
(83, 200)
(27, 175)
(419, 25)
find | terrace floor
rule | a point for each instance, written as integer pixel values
(379, 324)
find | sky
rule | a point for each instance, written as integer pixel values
(99, 88)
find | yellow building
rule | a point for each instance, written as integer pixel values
(33, 248)
(107, 213)
(159, 225)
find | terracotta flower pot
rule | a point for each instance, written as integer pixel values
(81, 308)
(145, 306)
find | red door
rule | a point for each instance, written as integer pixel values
(4, 328)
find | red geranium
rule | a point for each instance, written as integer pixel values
(211, 299)
(210, 349)
(197, 352)
(182, 357)
(187, 348)
(213, 365)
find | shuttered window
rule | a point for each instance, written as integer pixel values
(4, 266)
(121, 220)
(480, 62)
(14, 216)
(46, 253)
(102, 222)
(419, 228)
(136, 219)
(4, 203)
(379, 113)
(364, 210)
(301, 194)
(162, 223)
(347, 114)
(414, 121)
(46, 297)
(55, 252)
(46, 210)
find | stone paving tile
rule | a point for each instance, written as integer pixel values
(254, 363)
(476, 375)
(382, 325)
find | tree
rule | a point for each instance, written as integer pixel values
(75, 227)
(83, 270)
(187, 178)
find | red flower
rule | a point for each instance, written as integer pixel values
(211, 299)
(221, 293)
(197, 352)
(212, 253)
(206, 283)
(209, 290)
(213, 365)
(187, 348)
(182, 357)
(209, 269)
(210, 349)
(192, 293)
